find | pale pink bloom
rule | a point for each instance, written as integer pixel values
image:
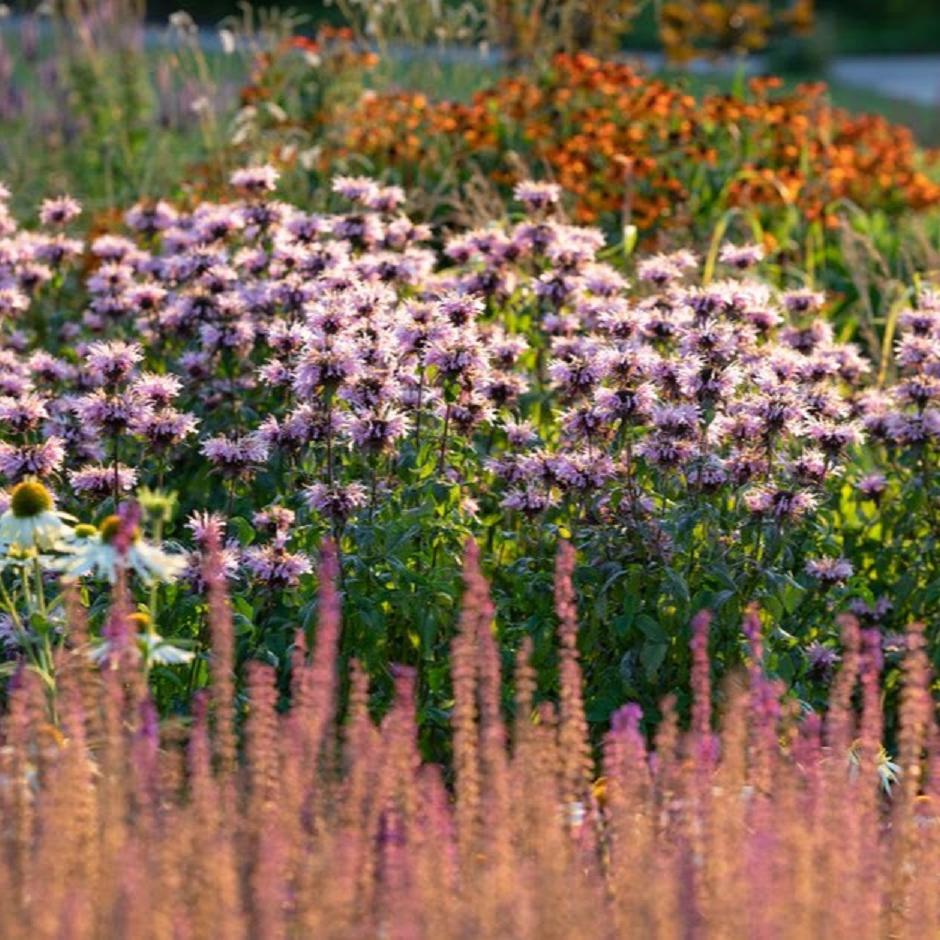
(255, 180)
(59, 211)
(829, 570)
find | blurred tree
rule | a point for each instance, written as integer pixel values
(683, 25)
(689, 29)
(209, 12)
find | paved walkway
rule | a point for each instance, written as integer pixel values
(916, 77)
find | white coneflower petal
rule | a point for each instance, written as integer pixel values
(32, 521)
(96, 555)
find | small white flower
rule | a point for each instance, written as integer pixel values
(310, 157)
(227, 38)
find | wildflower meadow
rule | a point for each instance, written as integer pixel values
(505, 511)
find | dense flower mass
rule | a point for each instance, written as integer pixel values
(285, 365)
(630, 147)
(703, 436)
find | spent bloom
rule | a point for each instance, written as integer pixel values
(872, 485)
(822, 660)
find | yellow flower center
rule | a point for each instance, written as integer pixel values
(109, 528)
(140, 619)
(29, 499)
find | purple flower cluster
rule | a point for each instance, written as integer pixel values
(332, 351)
(908, 413)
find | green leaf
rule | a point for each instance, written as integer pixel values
(677, 587)
(621, 625)
(243, 529)
(792, 596)
(651, 629)
(652, 656)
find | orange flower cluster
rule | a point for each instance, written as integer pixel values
(334, 51)
(641, 149)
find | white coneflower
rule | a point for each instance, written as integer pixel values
(158, 651)
(95, 553)
(32, 521)
(154, 649)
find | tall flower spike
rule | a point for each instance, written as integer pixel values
(868, 793)
(222, 661)
(262, 738)
(494, 773)
(840, 720)
(314, 684)
(328, 632)
(704, 741)
(916, 715)
(464, 720)
(917, 728)
(871, 725)
(525, 682)
(572, 728)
